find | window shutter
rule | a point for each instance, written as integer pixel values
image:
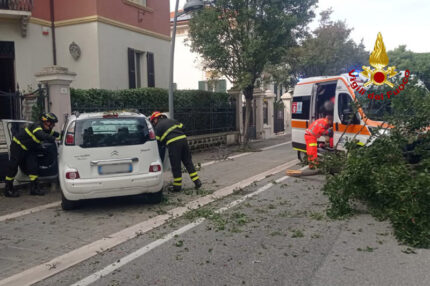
(131, 69)
(221, 86)
(202, 85)
(150, 68)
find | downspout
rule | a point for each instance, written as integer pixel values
(54, 45)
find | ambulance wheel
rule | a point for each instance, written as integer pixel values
(301, 156)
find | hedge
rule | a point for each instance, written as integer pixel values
(201, 112)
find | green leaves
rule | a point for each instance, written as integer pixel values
(392, 174)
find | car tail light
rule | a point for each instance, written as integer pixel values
(72, 175)
(70, 139)
(154, 168)
(151, 134)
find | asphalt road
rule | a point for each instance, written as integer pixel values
(250, 225)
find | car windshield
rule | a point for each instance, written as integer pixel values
(105, 132)
(374, 109)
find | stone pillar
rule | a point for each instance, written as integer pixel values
(286, 99)
(57, 80)
(239, 109)
(259, 117)
(269, 96)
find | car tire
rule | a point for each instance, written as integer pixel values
(68, 205)
(155, 198)
(301, 156)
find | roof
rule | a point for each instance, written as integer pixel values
(181, 18)
(88, 115)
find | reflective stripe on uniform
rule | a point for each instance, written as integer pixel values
(177, 179)
(170, 130)
(19, 143)
(313, 144)
(32, 135)
(195, 178)
(176, 139)
(193, 174)
(177, 184)
(33, 177)
(52, 132)
(360, 143)
(37, 129)
(9, 178)
(158, 138)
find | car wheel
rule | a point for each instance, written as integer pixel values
(301, 156)
(68, 205)
(155, 198)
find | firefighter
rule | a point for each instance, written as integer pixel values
(23, 153)
(170, 133)
(318, 128)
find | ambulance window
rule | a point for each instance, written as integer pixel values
(300, 107)
(346, 109)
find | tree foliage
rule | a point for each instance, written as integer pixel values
(391, 175)
(328, 50)
(417, 63)
(239, 38)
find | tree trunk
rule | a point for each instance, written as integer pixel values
(248, 92)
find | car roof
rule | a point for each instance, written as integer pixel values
(83, 116)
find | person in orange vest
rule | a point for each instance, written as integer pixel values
(318, 128)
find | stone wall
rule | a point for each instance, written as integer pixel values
(200, 142)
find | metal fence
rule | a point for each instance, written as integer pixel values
(197, 121)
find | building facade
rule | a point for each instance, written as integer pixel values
(109, 44)
(195, 76)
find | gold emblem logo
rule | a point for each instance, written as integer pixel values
(379, 59)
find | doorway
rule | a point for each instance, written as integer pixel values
(8, 100)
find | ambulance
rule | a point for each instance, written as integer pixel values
(309, 96)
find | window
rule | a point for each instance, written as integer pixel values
(141, 71)
(213, 85)
(346, 109)
(105, 132)
(300, 107)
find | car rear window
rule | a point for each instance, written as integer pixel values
(105, 132)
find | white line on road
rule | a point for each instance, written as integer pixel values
(29, 211)
(67, 260)
(58, 203)
(147, 248)
(244, 154)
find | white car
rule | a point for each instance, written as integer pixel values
(108, 155)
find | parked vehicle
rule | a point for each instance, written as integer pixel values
(309, 96)
(108, 155)
(47, 155)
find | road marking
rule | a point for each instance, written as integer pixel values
(67, 260)
(244, 154)
(147, 248)
(29, 211)
(58, 203)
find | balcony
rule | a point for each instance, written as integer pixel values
(17, 10)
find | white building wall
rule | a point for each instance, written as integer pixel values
(87, 66)
(113, 58)
(188, 68)
(32, 52)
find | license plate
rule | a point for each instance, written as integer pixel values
(115, 169)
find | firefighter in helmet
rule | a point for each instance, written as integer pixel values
(170, 133)
(23, 153)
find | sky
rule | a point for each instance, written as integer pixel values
(400, 22)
